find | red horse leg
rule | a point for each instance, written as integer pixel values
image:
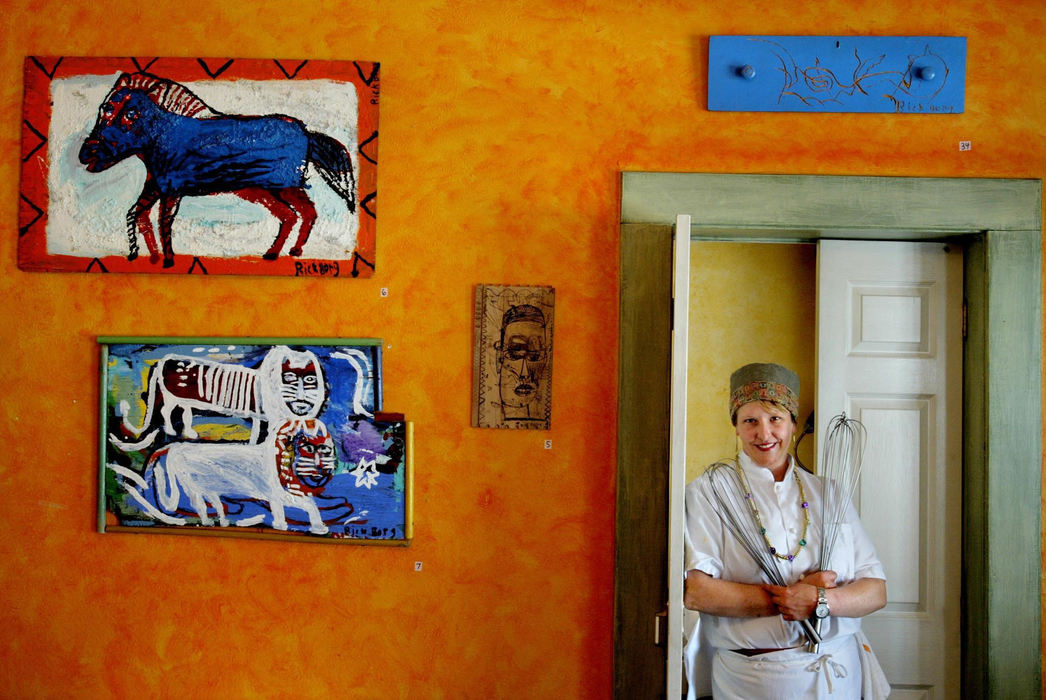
(168, 210)
(145, 226)
(278, 208)
(297, 198)
(138, 221)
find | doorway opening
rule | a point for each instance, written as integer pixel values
(999, 224)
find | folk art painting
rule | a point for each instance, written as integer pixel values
(266, 438)
(512, 357)
(201, 166)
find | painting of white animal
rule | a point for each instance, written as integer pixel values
(288, 384)
(272, 438)
(207, 473)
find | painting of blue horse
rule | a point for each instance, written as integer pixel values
(192, 150)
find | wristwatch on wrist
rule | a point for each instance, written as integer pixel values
(821, 611)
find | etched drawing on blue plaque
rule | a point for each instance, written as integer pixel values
(904, 75)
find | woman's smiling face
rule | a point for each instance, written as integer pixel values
(766, 433)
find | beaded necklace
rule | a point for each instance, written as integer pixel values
(804, 504)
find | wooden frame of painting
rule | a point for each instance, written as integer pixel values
(264, 437)
(199, 166)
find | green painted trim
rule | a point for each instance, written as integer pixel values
(1000, 223)
(858, 204)
(102, 381)
(975, 473)
(1012, 372)
(234, 340)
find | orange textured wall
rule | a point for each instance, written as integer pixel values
(504, 126)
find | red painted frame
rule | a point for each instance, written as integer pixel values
(33, 203)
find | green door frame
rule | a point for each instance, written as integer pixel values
(999, 223)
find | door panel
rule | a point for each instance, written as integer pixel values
(640, 553)
(677, 451)
(889, 355)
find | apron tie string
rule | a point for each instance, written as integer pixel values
(827, 665)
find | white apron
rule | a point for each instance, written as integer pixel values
(833, 672)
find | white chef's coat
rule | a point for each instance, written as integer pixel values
(713, 549)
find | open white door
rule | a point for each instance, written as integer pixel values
(889, 353)
(677, 452)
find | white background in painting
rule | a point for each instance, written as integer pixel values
(87, 211)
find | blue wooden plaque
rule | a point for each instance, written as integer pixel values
(899, 74)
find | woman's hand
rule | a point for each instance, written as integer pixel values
(824, 579)
(855, 599)
(795, 602)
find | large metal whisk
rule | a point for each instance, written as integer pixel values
(840, 472)
(728, 495)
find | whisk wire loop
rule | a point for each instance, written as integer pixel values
(728, 495)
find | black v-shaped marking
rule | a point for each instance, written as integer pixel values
(292, 74)
(365, 204)
(143, 67)
(373, 138)
(43, 140)
(214, 73)
(49, 72)
(356, 259)
(368, 79)
(39, 214)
